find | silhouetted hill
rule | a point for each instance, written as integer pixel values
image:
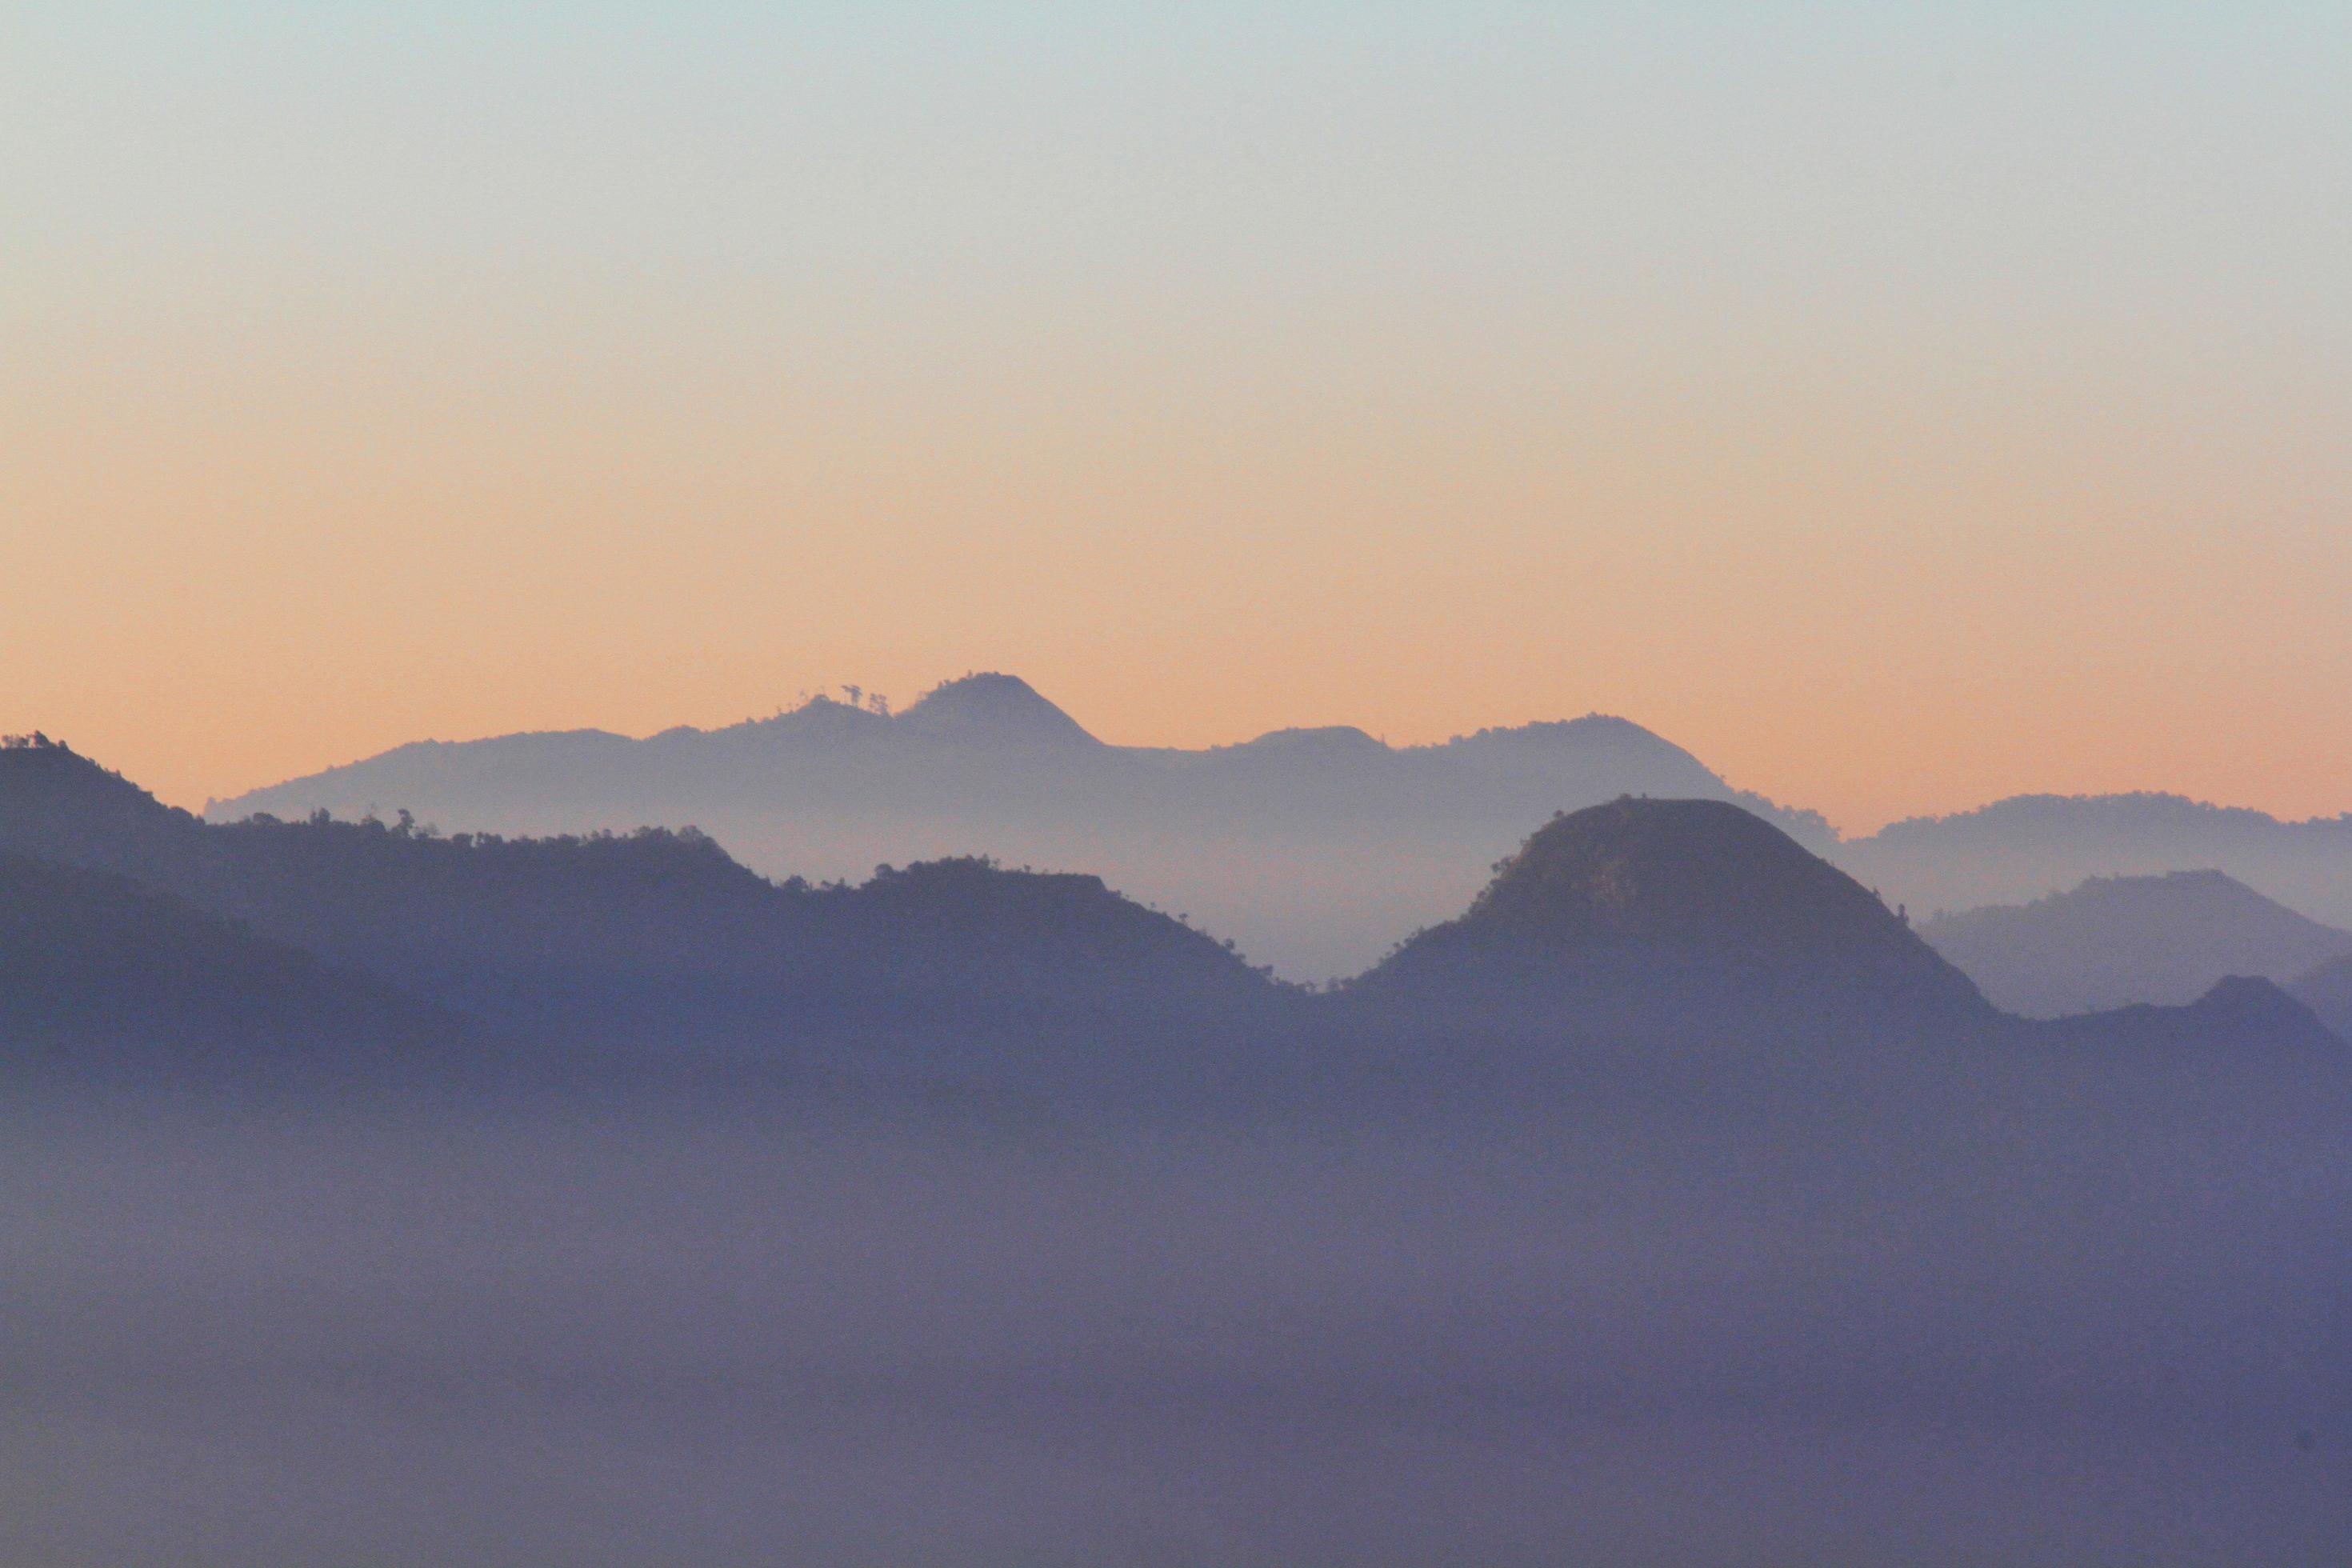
(2119, 939)
(1314, 847)
(1675, 916)
(2019, 850)
(655, 934)
(2242, 1021)
(89, 958)
(1051, 931)
(1329, 745)
(51, 794)
(994, 710)
(2327, 992)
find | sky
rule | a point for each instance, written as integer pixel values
(1900, 406)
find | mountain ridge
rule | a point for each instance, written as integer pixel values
(2024, 847)
(607, 935)
(2113, 940)
(1370, 839)
(1684, 929)
(1312, 847)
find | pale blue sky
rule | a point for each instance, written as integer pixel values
(1072, 337)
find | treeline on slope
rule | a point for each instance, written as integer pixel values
(618, 935)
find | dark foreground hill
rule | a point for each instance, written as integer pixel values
(90, 958)
(2115, 940)
(1656, 917)
(1312, 847)
(2244, 1018)
(656, 934)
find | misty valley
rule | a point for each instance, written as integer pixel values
(1629, 1334)
(381, 1192)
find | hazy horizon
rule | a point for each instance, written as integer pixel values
(1898, 411)
(804, 694)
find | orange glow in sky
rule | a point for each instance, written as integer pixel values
(1895, 419)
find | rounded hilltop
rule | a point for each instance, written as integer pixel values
(991, 706)
(1695, 871)
(1639, 903)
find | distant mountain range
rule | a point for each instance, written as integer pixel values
(652, 934)
(2118, 940)
(2018, 850)
(1689, 926)
(1311, 847)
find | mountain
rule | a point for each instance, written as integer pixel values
(2018, 850)
(994, 710)
(2327, 992)
(1683, 917)
(90, 959)
(656, 935)
(1313, 847)
(1686, 923)
(2242, 1021)
(2118, 940)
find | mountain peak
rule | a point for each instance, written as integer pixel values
(1686, 906)
(993, 706)
(2256, 1012)
(1685, 871)
(1332, 741)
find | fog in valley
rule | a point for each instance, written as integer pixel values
(1660, 1324)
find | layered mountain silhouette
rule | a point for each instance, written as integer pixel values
(2240, 1021)
(1667, 916)
(656, 933)
(2327, 992)
(1689, 924)
(89, 958)
(2018, 850)
(2114, 941)
(1312, 847)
